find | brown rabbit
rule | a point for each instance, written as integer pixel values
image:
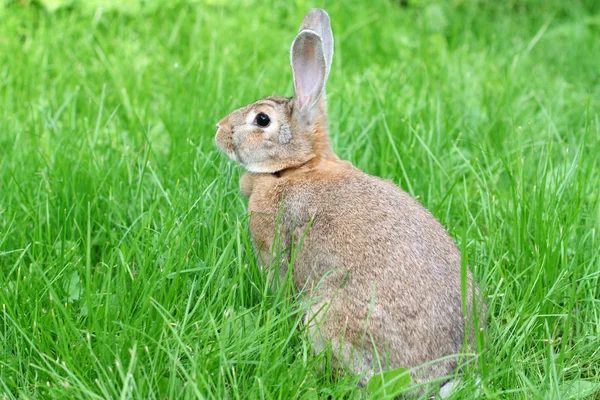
(382, 275)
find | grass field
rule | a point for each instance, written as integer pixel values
(126, 266)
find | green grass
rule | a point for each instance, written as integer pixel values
(126, 266)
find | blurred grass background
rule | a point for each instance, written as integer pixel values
(126, 268)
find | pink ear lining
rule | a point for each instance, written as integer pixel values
(306, 68)
(308, 76)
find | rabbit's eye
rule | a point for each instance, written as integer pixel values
(262, 119)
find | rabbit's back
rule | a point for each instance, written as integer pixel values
(383, 258)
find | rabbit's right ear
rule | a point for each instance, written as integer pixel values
(311, 56)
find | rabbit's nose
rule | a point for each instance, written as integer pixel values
(223, 123)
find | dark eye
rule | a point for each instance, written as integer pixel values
(263, 120)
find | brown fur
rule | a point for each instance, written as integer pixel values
(379, 273)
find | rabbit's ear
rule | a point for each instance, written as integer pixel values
(311, 55)
(309, 69)
(317, 20)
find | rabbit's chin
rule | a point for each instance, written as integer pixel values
(261, 169)
(275, 166)
(233, 156)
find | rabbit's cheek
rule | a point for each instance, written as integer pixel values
(285, 134)
(249, 148)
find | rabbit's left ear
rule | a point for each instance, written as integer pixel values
(311, 56)
(317, 20)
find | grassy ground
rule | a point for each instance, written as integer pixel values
(126, 268)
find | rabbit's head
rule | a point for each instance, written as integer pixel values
(276, 133)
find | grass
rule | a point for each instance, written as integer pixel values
(126, 267)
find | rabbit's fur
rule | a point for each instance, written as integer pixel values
(382, 274)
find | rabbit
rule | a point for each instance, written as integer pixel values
(382, 276)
